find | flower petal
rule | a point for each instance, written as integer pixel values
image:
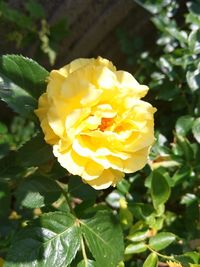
(108, 177)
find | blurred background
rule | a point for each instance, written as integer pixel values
(56, 32)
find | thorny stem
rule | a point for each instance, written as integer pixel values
(84, 252)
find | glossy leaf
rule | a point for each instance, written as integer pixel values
(89, 263)
(195, 256)
(104, 238)
(135, 248)
(138, 236)
(35, 152)
(185, 148)
(123, 186)
(9, 167)
(193, 79)
(51, 240)
(194, 41)
(181, 174)
(16, 98)
(160, 190)
(22, 81)
(25, 73)
(196, 129)
(55, 238)
(37, 191)
(161, 240)
(151, 260)
(81, 190)
(184, 125)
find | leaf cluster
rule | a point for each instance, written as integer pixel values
(171, 202)
(30, 25)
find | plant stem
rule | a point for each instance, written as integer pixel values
(84, 252)
(161, 255)
(66, 197)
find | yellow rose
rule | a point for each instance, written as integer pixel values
(93, 117)
(173, 264)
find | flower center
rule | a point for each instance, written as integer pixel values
(105, 123)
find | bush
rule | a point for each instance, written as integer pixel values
(152, 217)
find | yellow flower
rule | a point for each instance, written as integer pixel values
(93, 117)
(173, 264)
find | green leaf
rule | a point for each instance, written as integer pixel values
(78, 189)
(59, 31)
(185, 148)
(51, 240)
(55, 238)
(196, 129)
(25, 72)
(194, 41)
(16, 98)
(135, 248)
(3, 128)
(90, 263)
(14, 16)
(104, 238)
(138, 236)
(152, 7)
(181, 174)
(35, 152)
(160, 190)
(9, 168)
(194, 7)
(123, 186)
(188, 199)
(161, 240)
(193, 79)
(184, 125)
(82, 191)
(141, 211)
(37, 191)
(35, 9)
(193, 19)
(151, 260)
(195, 256)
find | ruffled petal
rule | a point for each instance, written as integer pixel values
(108, 177)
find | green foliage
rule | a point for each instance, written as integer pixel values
(32, 172)
(161, 240)
(22, 82)
(36, 243)
(151, 260)
(171, 69)
(29, 25)
(160, 189)
(20, 131)
(49, 217)
(25, 73)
